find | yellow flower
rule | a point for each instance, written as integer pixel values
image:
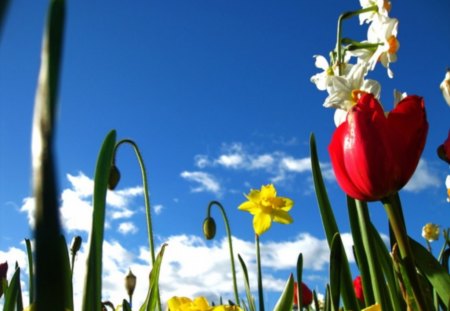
(186, 304)
(198, 304)
(430, 232)
(266, 207)
(375, 307)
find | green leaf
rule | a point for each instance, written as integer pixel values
(153, 290)
(335, 270)
(331, 228)
(67, 274)
(30, 271)
(126, 306)
(13, 294)
(287, 296)
(433, 271)
(93, 282)
(250, 299)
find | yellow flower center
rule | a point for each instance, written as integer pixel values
(393, 45)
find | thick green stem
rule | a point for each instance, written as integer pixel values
(146, 198)
(395, 215)
(260, 285)
(230, 245)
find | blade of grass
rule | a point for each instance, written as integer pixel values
(331, 228)
(49, 271)
(250, 300)
(287, 296)
(335, 270)
(299, 278)
(93, 278)
(67, 274)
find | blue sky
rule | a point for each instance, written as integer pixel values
(217, 95)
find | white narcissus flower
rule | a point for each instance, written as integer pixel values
(430, 232)
(341, 89)
(384, 7)
(447, 184)
(321, 79)
(445, 87)
(385, 33)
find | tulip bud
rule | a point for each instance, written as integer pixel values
(3, 271)
(443, 150)
(76, 245)
(209, 228)
(130, 283)
(430, 232)
(114, 177)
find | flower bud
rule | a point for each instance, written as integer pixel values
(443, 150)
(430, 232)
(209, 228)
(76, 245)
(114, 177)
(3, 271)
(130, 283)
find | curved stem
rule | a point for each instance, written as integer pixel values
(146, 198)
(230, 245)
(341, 18)
(260, 285)
(394, 211)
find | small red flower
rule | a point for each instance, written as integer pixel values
(307, 296)
(374, 155)
(357, 285)
(444, 150)
(3, 271)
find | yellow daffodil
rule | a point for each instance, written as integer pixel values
(430, 232)
(198, 304)
(266, 207)
(375, 307)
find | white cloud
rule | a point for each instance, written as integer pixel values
(230, 160)
(424, 177)
(205, 181)
(158, 209)
(76, 204)
(296, 165)
(127, 228)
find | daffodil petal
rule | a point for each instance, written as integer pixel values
(261, 223)
(282, 217)
(250, 207)
(288, 203)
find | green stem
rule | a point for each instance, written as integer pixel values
(260, 285)
(146, 198)
(230, 245)
(376, 280)
(341, 18)
(394, 211)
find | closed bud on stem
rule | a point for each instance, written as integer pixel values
(209, 228)
(114, 177)
(130, 283)
(76, 245)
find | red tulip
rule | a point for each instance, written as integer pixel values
(3, 271)
(307, 295)
(357, 286)
(374, 155)
(444, 150)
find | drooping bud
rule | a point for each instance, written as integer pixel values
(209, 228)
(130, 283)
(76, 245)
(445, 87)
(114, 177)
